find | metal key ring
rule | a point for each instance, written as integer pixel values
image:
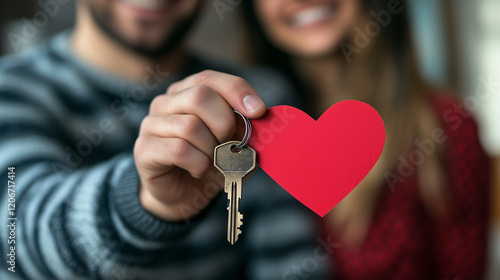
(248, 131)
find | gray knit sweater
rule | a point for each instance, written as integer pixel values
(69, 130)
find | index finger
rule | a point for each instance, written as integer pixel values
(235, 90)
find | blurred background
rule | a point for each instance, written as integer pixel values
(458, 43)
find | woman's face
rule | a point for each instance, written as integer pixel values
(307, 28)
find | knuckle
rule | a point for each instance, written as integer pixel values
(199, 95)
(189, 125)
(204, 76)
(238, 83)
(140, 148)
(173, 87)
(145, 125)
(177, 148)
(156, 104)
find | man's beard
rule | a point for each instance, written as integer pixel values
(104, 21)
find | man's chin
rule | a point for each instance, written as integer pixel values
(162, 48)
(149, 50)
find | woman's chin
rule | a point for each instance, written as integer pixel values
(313, 51)
(308, 47)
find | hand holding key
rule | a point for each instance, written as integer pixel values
(175, 147)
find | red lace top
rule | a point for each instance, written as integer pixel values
(404, 242)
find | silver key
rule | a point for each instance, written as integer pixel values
(234, 164)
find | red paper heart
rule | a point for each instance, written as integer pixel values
(319, 162)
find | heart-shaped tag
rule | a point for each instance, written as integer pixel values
(319, 162)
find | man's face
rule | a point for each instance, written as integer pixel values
(149, 27)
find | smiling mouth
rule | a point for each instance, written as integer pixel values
(315, 14)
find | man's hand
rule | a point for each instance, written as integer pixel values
(174, 150)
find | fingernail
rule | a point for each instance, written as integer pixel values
(252, 103)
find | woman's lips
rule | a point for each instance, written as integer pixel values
(312, 15)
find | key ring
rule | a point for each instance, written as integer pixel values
(248, 131)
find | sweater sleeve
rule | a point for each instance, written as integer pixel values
(461, 244)
(83, 223)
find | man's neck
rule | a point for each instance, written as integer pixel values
(93, 46)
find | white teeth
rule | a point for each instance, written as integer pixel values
(312, 15)
(146, 4)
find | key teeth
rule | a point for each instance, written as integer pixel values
(240, 219)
